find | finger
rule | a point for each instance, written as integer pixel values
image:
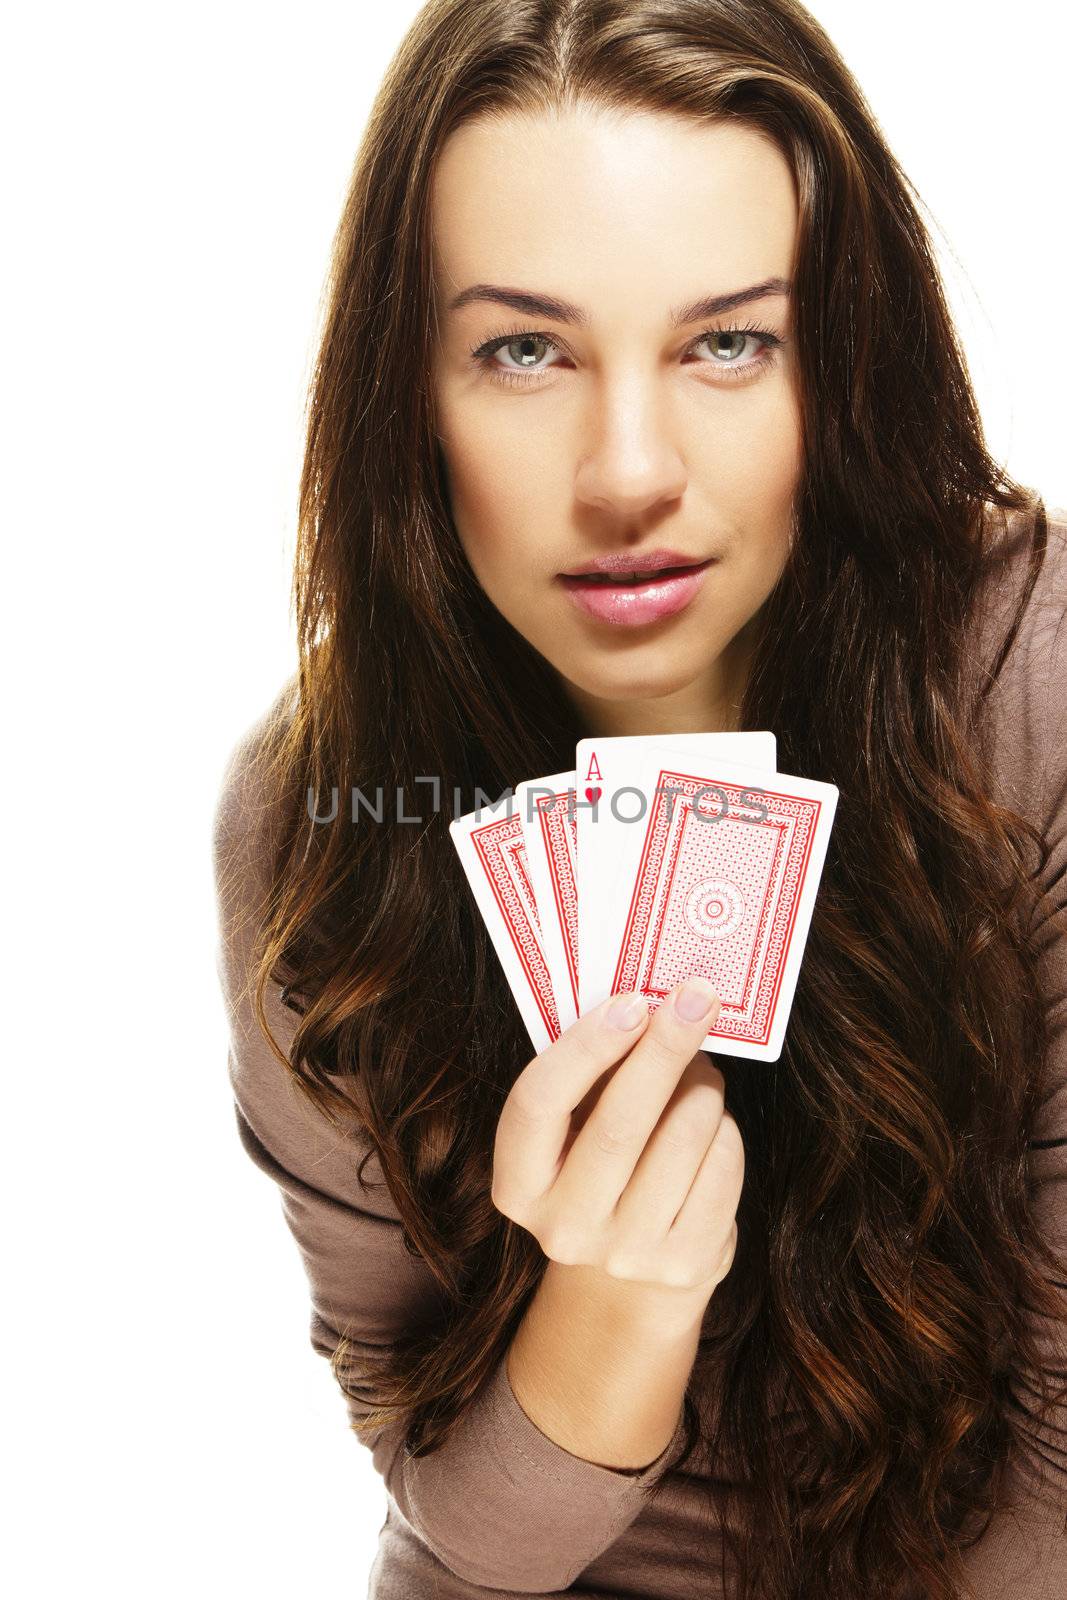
(606, 1151)
(535, 1120)
(672, 1156)
(710, 1207)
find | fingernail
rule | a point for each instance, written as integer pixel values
(625, 1011)
(694, 1000)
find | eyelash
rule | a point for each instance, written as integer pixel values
(513, 376)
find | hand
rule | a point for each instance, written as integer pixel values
(645, 1185)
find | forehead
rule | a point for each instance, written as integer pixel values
(592, 201)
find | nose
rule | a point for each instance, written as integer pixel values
(632, 462)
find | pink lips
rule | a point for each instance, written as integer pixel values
(632, 604)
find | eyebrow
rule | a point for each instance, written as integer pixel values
(545, 305)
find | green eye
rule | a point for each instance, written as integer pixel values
(531, 344)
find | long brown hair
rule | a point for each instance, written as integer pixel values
(886, 1150)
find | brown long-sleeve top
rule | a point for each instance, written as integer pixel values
(501, 1509)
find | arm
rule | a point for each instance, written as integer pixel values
(602, 1365)
(1023, 1553)
(501, 1504)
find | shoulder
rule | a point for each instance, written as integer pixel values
(245, 807)
(1011, 544)
(282, 1131)
(1022, 726)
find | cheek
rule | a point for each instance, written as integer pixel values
(499, 487)
(766, 454)
(756, 496)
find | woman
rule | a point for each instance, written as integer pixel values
(614, 278)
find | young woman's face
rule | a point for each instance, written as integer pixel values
(614, 422)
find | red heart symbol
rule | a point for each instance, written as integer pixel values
(592, 795)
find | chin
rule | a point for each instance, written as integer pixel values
(630, 685)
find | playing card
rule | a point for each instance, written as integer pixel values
(491, 846)
(725, 885)
(608, 843)
(546, 806)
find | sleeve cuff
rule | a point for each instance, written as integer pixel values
(521, 1439)
(505, 1506)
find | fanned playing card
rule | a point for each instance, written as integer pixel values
(724, 886)
(492, 849)
(609, 831)
(546, 806)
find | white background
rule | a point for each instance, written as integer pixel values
(173, 176)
